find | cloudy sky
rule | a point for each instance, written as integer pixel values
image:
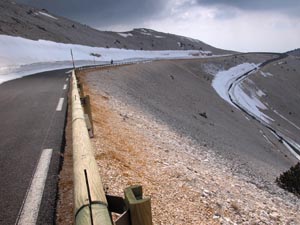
(243, 25)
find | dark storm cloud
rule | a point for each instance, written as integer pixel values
(110, 13)
(289, 7)
(101, 12)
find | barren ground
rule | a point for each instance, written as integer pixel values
(187, 183)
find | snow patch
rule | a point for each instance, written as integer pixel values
(250, 102)
(20, 57)
(125, 35)
(15, 72)
(266, 74)
(192, 40)
(223, 79)
(47, 15)
(260, 93)
(146, 33)
(246, 97)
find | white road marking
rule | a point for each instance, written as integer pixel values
(60, 104)
(30, 210)
(70, 71)
(65, 87)
(67, 79)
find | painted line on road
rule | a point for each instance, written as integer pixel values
(60, 104)
(67, 79)
(65, 87)
(30, 210)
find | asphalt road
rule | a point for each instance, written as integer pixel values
(31, 120)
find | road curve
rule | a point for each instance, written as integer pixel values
(293, 147)
(32, 111)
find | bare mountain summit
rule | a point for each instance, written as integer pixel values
(32, 23)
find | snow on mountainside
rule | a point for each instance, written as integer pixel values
(33, 40)
(20, 57)
(35, 24)
(248, 98)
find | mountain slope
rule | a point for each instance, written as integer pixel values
(32, 23)
(295, 52)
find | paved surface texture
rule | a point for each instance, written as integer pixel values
(30, 123)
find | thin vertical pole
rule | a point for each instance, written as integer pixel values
(89, 197)
(73, 60)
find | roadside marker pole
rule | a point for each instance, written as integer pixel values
(72, 59)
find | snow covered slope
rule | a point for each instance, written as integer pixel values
(247, 97)
(20, 57)
(223, 79)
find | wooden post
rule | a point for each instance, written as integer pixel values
(88, 112)
(139, 208)
(80, 89)
(83, 159)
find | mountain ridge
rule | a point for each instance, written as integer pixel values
(295, 52)
(32, 23)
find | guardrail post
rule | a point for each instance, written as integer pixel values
(85, 101)
(139, 207)
(80, 89)
(89, 197)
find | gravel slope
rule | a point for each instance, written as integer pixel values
(139, 140)
(284, 103)
(189, 182)
(177, 93)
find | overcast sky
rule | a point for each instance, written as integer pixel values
(242, 25)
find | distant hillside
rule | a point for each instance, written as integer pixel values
(32, 23)
(295, 52)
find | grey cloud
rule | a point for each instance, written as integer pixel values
(289, 7)
(102, 12)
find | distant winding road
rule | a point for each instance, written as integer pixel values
(32, 119)
(290, 144)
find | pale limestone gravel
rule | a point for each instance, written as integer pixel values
(188, 183)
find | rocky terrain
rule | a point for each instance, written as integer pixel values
(180, 94)
(24, 21)
(283, 104)
(162, 125)
(295, 52)
(200, 160)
